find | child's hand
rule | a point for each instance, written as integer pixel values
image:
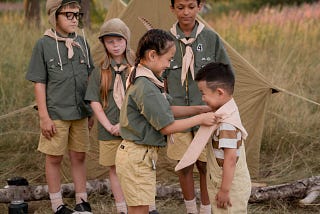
(115, 130)
(208, 119)
(90, 122)
(48, 128)
(223, 199)
(217, 117)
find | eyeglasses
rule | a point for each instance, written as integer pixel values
(71, 15)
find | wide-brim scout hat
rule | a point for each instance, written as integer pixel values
(116, 27)
(53, 5)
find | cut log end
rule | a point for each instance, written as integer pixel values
(310, 198)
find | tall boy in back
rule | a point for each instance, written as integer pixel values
(59, 67)
(228, 178)
(196, 46)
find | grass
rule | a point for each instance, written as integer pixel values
(281, 44)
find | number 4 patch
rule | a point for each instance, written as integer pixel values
(200, 47)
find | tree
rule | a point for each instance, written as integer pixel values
(32, 11)
(85, 8)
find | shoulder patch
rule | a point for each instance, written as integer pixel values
(199, 47)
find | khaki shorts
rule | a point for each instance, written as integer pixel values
(71, 135)
(134, 169)
(181, 143)
(107, 151)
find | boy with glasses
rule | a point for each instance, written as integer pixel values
(59, 67)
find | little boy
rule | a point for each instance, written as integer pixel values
(59, 67)
(228, 178)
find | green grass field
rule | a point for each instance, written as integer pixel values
(283, 45)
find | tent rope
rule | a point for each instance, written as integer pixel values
(10, 114)
(298, 96)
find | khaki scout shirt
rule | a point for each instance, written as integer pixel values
(206, 48)
(65, 89)
(144, 112)
(112, 111)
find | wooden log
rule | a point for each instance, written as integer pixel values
(311, 196)
(298, 189)
(40, 192)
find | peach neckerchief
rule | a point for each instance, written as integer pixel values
(142, 71)
(228, 113)
(118, 89)
(69, 42)
(188, 58)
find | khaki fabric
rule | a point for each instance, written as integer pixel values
(157, 12)
(116, 7)
(240, 187)
(107, 151)
(176, 150)
(136, 176)
(71, 135)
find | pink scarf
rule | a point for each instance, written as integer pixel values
(118, 90)
(142, 71)
(69, 42)
(228, 113)
(188, 58)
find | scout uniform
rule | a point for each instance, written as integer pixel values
(108, 143)
(145, 111)
(66, 79)
(206, 47)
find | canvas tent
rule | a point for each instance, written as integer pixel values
(115, 9)
(252, 90)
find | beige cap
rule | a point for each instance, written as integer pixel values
(116, 27)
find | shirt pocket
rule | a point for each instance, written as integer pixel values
(56, 71)
(82, 65)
